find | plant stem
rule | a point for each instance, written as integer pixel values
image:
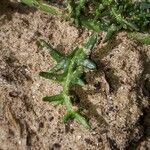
(67, 83)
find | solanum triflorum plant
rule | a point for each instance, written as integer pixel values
(67, 72)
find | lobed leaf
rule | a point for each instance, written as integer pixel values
(71, 67)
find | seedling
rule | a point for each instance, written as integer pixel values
(68, 72)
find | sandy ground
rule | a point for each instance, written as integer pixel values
(116, 98)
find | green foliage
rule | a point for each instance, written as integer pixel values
(102, 15)
(140, 37)
(68, 72)
(111, 16)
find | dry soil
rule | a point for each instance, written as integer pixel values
(115, 100)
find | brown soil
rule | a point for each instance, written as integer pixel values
(116, 98)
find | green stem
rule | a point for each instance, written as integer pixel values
(67, 83)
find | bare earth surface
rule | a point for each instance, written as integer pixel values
(116, 98)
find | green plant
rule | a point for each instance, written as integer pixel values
(67, 72)
(102, 15)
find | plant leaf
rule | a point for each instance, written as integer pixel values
(78, 9)
(54, 53)
(78, 81)
(59, 66)
(91, 24)
(90, 43)
(82, 120)
(111, 31)
(53, 76)
(87, 63)
(59, 99)
(29, 2)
